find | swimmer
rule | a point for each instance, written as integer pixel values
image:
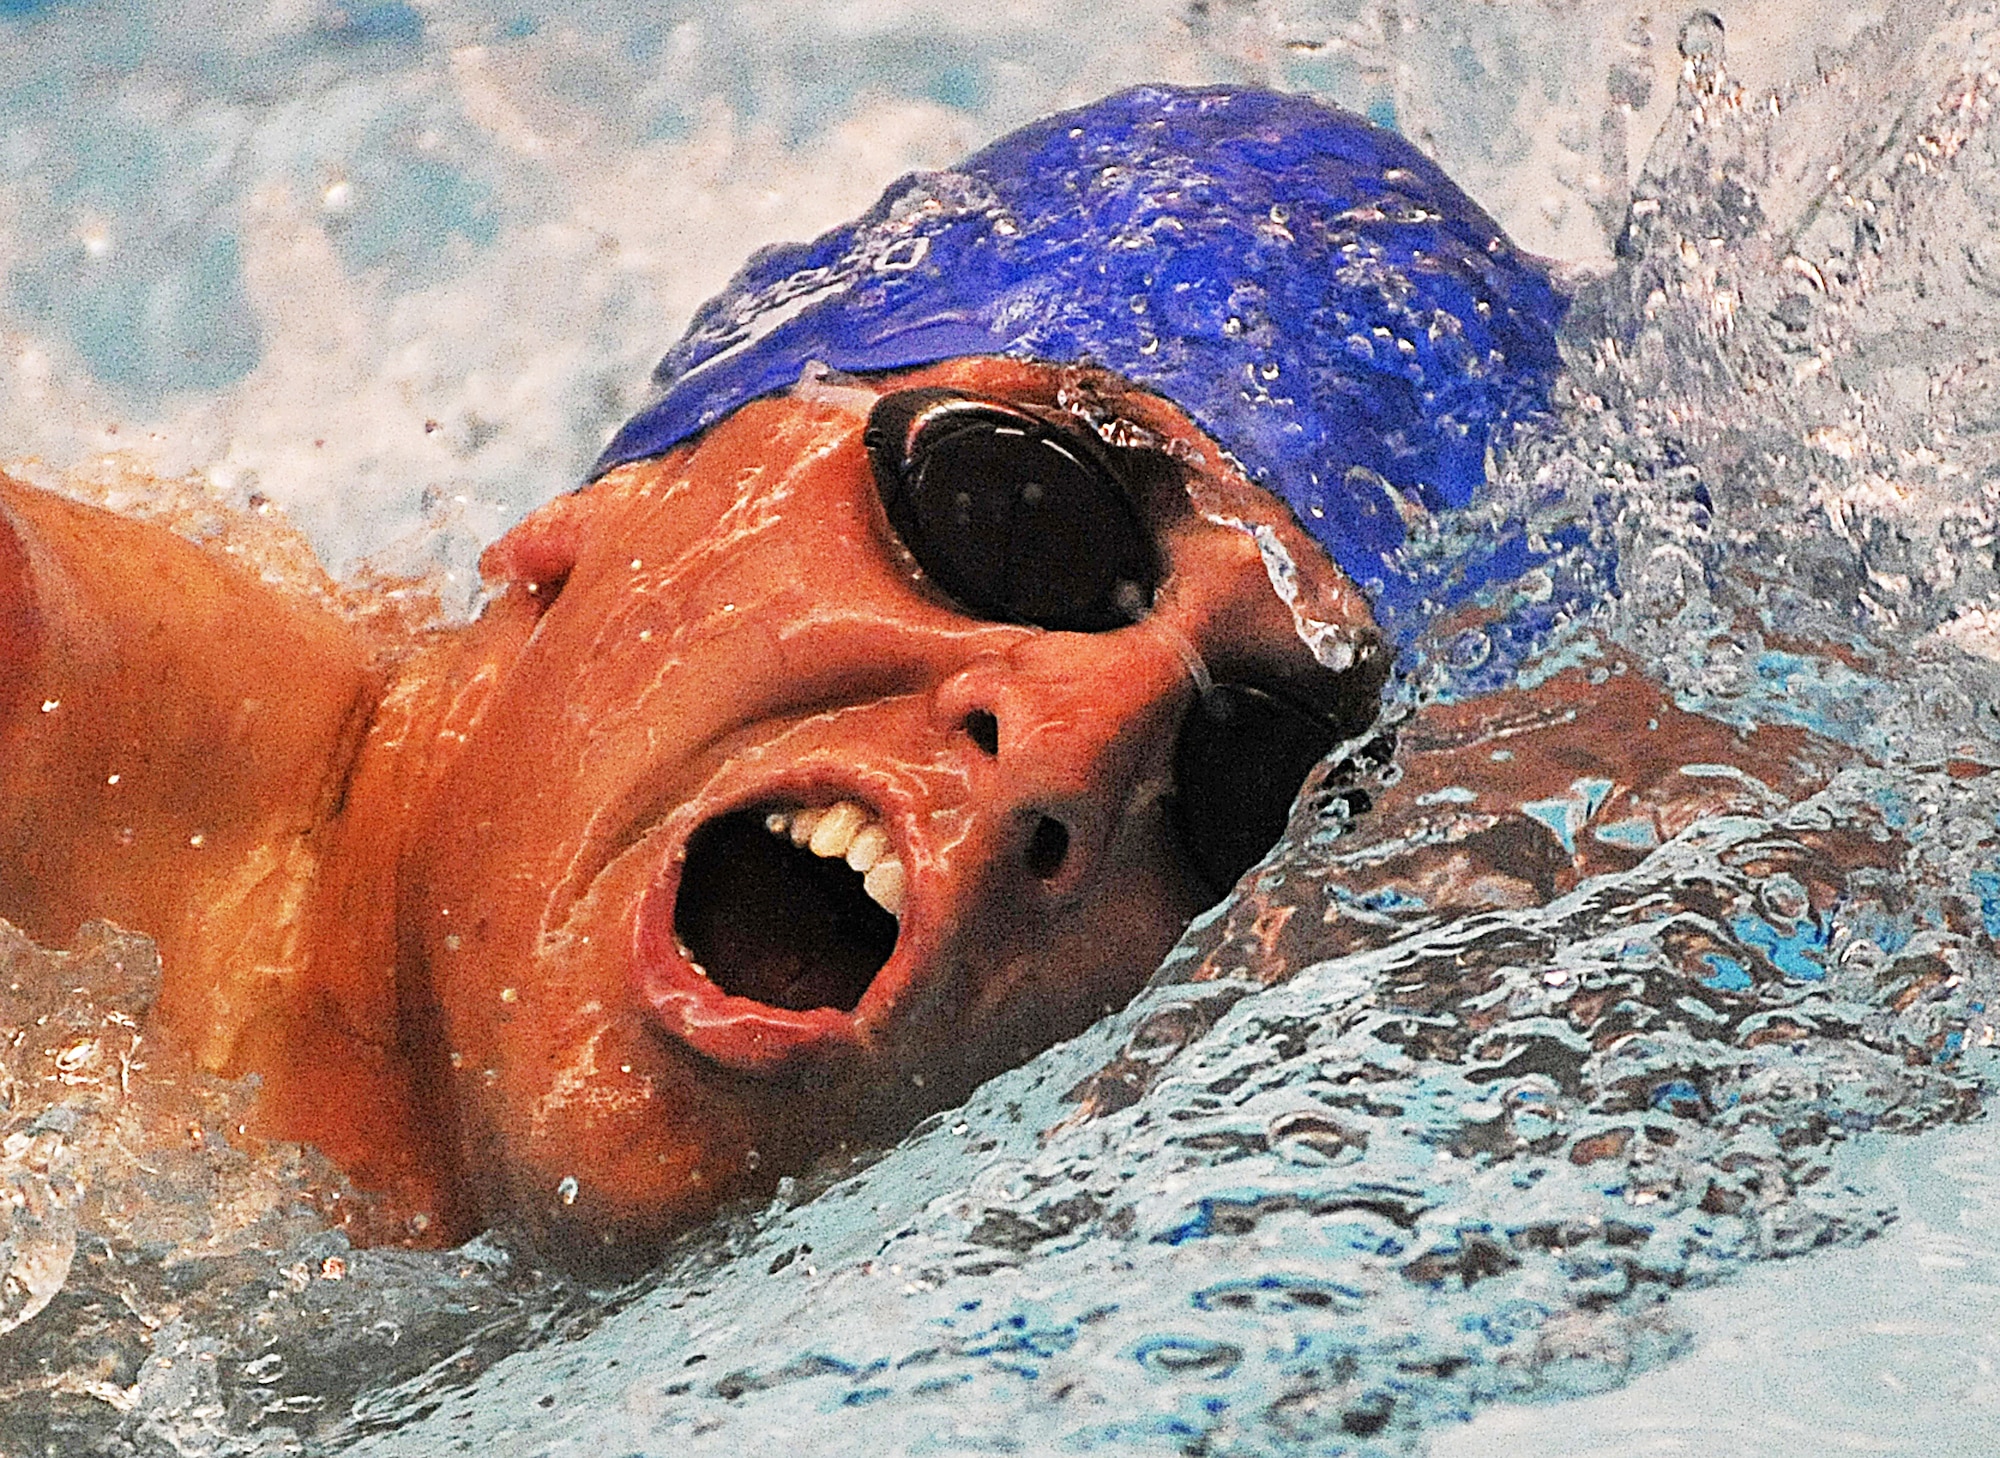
(960, 621)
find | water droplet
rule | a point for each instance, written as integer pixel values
(1701, 37)
(37, 1245)
(265, 1369)
(1471, 649)
(902, 255)
(1785, 897)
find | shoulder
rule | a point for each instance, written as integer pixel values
(20, 615)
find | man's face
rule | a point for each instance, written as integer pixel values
(662, 981)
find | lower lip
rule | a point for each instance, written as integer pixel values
(736, 1032)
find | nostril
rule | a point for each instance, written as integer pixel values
(1048, 849)
(984, 730)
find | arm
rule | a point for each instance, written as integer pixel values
(1513, 799)
(173, 731)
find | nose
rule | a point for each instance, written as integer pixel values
(1069, 741)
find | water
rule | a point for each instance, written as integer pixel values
(1684, 1156)
(1888, 1349)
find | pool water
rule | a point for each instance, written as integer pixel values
(1674, 1161)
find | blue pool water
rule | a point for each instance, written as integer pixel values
(1709, 1175)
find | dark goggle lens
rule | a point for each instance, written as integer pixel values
(1016, 519)
(1242, 756)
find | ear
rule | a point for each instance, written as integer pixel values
(535, 557)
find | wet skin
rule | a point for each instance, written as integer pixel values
(737, 630)
(433, 904)
(434, 899)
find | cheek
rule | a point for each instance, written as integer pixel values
(577, 1116)
(732, 631)
(529, 1016)
(1086, 962)
(1123, 939)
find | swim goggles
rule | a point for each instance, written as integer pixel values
(1024, 517)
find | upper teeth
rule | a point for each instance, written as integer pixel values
(847, 831)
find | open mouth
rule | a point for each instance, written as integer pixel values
(796, 908)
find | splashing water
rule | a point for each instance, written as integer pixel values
(1351, 1168)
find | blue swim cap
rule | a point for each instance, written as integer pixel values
(1313, 291)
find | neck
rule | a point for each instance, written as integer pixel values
(355, 1060)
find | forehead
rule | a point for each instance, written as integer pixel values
(1198, 490)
